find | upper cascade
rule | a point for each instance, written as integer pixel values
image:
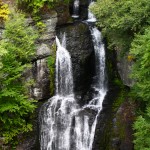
(76, 9)
(91, 16)
(56, 114)
(64, 79)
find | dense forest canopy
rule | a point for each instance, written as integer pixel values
(126, 25)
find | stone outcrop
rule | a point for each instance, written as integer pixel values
(45, 48)
(122, 133)
(40, 73)
(124, 68)
(63, 14)
(49, 20)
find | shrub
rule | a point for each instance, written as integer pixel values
(15, 105)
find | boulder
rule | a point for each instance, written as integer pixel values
(63, 14)
(43, 50)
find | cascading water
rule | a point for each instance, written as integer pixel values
(84, 129)
(76, 9)
(56, 114)
(91, 16)
(63, 124)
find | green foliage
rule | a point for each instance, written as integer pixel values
(140, 50)
(142, 128)
(36, 5)
(15, 106)
(120, 20)
(141, 69)
(2, 52)
(51, 65)
(122, 94)
(41, 26)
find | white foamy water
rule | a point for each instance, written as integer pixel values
(76, 9)
(91, 16)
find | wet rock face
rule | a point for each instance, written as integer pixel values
(63, 14)
(40, 72)
(84, 4)
(103, 127)
(122, 127)
(79, 44)
(43, 50)
(50, 21)
(124, 69)
(114, 127)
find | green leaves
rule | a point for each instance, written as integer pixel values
(140, 50)
(18, 48)
(51, 65)
(122, 19)
(142, 128)
(36, 5)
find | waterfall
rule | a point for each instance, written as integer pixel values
(76, 9)
(91, 16)
(64, 80)
(56, 114)
(84, 130)
(64, 125)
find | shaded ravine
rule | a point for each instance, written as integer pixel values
(64, 125)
